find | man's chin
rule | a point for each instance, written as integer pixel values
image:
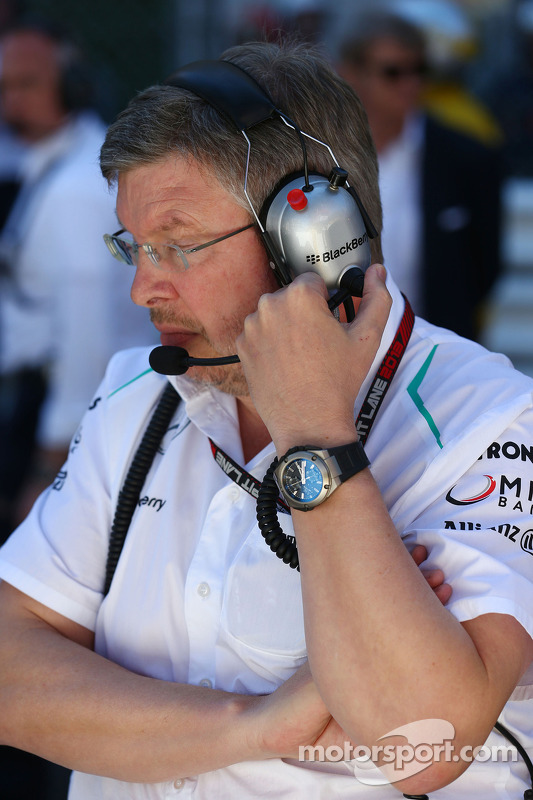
(227, 378)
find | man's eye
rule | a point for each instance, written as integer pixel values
(170, 253)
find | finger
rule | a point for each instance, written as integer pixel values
(375, 304)
(435, 577)
(419, 554)
(307, 293)
(314, 281)
(443, 593)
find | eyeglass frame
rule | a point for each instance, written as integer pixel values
(151, 249)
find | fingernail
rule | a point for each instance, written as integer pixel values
(381, 272)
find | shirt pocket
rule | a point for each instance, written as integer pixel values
(262, 612)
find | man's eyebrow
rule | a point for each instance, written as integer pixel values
(170, 224)
(175, 221)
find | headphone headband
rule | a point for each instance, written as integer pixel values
(229, 89)
(333, 229)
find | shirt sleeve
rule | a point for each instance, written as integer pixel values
(480, 531)
(58, 554)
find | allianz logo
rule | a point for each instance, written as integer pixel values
(526, 542)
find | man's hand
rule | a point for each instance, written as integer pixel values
(434, 577)
(291, 717)
(304, 368)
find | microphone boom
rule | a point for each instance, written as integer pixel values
(170, 360)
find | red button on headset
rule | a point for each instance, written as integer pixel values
(297, 199)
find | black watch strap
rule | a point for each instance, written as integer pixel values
(351, 459)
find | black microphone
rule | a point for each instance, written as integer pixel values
(170, 360)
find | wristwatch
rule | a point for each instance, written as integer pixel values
(306, 475)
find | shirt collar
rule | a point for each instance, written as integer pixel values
(408, 143)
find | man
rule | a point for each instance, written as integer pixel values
(191, 673)
(63, 311)
(440, 189)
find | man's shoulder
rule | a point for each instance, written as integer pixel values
(129, 377)
(462, 378)
(452, 143)
(78, 166)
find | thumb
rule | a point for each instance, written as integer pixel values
(376, 301)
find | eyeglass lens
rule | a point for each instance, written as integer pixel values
(126, 251)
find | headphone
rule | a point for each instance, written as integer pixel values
(309, 223)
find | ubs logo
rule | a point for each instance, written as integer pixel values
(471, 491)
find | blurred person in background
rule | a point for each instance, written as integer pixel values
(440, 189)
(453, 45)
(509, 94)
(64, 308)
(12, 149)
(305, 19)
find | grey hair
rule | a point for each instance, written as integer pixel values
(163, 119)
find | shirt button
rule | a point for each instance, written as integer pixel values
(235, 494)
(203, 589)
(179, 784)
(206, 683)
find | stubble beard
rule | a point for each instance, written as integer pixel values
(228, 378)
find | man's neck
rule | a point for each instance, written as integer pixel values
(254, 434)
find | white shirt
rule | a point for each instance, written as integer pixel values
(400, 189)
(12, 154)
(199, 598)
(67, 307)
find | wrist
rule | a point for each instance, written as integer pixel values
(259, 741)
(314, 434)
(307, 475)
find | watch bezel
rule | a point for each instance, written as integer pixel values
(318, 461)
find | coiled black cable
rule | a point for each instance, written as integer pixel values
(528, 794)
(282, 545)
(142, 461)
(267, 518)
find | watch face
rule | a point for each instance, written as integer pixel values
(303, 480)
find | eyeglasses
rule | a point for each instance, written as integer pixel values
(395, 72)
(127, 250)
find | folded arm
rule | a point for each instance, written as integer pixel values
(382, 649)
(68, 704)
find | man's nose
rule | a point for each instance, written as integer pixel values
(151, 283)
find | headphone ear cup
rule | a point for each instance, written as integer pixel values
(316, 227)
(272, 243)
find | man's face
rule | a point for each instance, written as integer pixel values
(203, 308)
(29, 85)
(390, 81)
